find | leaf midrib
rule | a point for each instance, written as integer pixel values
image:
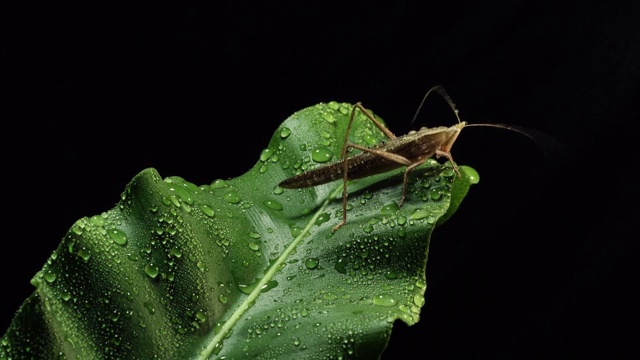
(257, 290)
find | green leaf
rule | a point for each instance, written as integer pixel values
(242, 268)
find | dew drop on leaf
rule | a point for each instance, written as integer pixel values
(265, 154)
(420, 214)
(151, 270)
(84, 254)
(311, 263)
(470, 174)
(321, 154)
(390, 208)
(207, 210)
(118, 236)
(384, 300)
(285, 132)
(232, 197)
(322, 218)
(255, 246)
(273, 205)
(219, 184)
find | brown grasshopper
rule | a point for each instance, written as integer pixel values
(410, 150)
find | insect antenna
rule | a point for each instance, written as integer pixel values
(440, 90)
(550, 146)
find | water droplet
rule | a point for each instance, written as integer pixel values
(420, 214)
(255, 246)
(384, 300)
(341, 266)
(222, 298)
(254, 235)
(435, 194)
(246, 289)
(321, 154)
(312, 263)
(330, 296)
(150, 308)
(77, 230)
(278, 190)
(219, 184)
(269, 285)
(265, 154)
(232, 197)
(328, 117)
(50, 276)
(174, 199)
(295, 231)
(118, 236)
(84, 254)
(97, 220)
(390, 208)
(333, 105)
(273, 205)
(469, 173)
(322, 218)
(448, 172)
(176, 252)
(418, 300)
(285, 132)
(151, 270)
(201, 316)
(207, 210)
(391, 275)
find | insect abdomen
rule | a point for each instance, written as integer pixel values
(314, 177)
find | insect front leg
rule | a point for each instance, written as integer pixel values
(401, 160)
(346, 145)
(450, 158)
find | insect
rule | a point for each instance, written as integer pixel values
(410, 150)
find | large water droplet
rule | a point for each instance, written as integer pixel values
(420, 214)
(84, 254)
(321, 154)
(312, 263)
(118, 236)
(151, 270)
(50, 276)
(97, 220)
(219, 184)
(265, 154)
(285, 132)
(341, 266)
(254, 245)
(232, 197)
(268, 286)
(295, 231)
(390, 208)
(469, 173)
(328, 117)
(333, 105)
(322, 218)
(273, 205)
(384, 300)
(207, 210)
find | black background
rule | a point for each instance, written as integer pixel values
(540, 260)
